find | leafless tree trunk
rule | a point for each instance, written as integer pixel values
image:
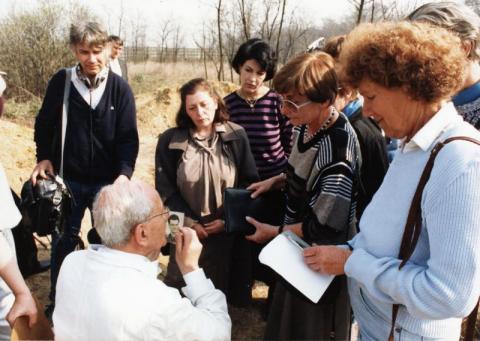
(373, 11)
(280, 28)
(220, 74)
(245, 16)
(360, 11)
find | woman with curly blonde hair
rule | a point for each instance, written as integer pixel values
(407, 73)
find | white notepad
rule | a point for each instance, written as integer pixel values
(286, 258)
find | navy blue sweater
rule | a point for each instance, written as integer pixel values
(100, 143)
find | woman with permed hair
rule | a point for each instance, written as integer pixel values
(194, 163)
(320, 190)
(256, 108)
(416, 256)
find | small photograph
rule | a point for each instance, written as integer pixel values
(175, 220)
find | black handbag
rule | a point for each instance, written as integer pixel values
(46, 205)
(238, 204)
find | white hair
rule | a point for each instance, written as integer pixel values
(118, 208)
(456, 17)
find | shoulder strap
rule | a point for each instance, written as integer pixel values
(413, 225)
(66, 94)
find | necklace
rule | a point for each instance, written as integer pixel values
(307, 136)
(251, 102)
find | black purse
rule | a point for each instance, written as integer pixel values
(238, 204)
(45, 206)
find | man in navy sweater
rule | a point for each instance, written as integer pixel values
(101, 140)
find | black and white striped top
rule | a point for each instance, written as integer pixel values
(321, 183)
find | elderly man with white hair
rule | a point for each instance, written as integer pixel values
(111, 291)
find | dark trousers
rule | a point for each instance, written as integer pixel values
(63, 244)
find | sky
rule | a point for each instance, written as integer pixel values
(190, 14)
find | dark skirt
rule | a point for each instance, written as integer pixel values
(226, 260)
(294, 317)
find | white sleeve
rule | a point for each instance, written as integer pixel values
(203, 315)
(6, 253)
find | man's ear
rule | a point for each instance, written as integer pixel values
(140, 234)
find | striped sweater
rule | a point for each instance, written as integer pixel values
(269, 132)
(320, 183)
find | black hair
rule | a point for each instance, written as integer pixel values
(173, 217)
(260, 51)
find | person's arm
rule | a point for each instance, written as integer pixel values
(46, 129)
(203, 315)
(166, 177)
(328, 218)
(246, 168)
(448, 285)
(24, 304)
(126, 132)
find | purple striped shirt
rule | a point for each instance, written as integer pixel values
(269, 132)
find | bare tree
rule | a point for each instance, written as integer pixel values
(164, 35)
(220, 73)
(245, 8)
(177, 41)
(280, 27)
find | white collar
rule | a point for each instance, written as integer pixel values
(426, 137)
(119, 258)
(91, 96)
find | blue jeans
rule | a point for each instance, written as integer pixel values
(63, 244)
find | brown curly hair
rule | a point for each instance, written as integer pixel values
(426, 61)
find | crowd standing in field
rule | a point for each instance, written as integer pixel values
(401, 239)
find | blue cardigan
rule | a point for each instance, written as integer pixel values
(100, 143)
(441, 282)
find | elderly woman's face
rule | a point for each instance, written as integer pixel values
(393, 109)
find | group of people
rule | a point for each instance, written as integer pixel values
(315, 144)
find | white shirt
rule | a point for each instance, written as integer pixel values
(9, 217)
(92, 97)
(106, 294)
(115, 66)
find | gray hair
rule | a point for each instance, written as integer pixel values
(90, 33)
(455, 17)
(118, 208)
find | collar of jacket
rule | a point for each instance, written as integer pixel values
(227, 132)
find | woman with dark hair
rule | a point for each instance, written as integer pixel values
(194, 163)
(320, 189)
(257, 109)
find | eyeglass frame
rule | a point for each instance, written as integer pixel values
(156, 215)
(296, 106)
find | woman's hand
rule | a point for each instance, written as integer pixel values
(263, 232)
(201, 233)
(214, 227)
(24, 305)
(327, 259)
(260, 187)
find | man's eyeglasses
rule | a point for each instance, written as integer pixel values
(292, 106)
(157, 215)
